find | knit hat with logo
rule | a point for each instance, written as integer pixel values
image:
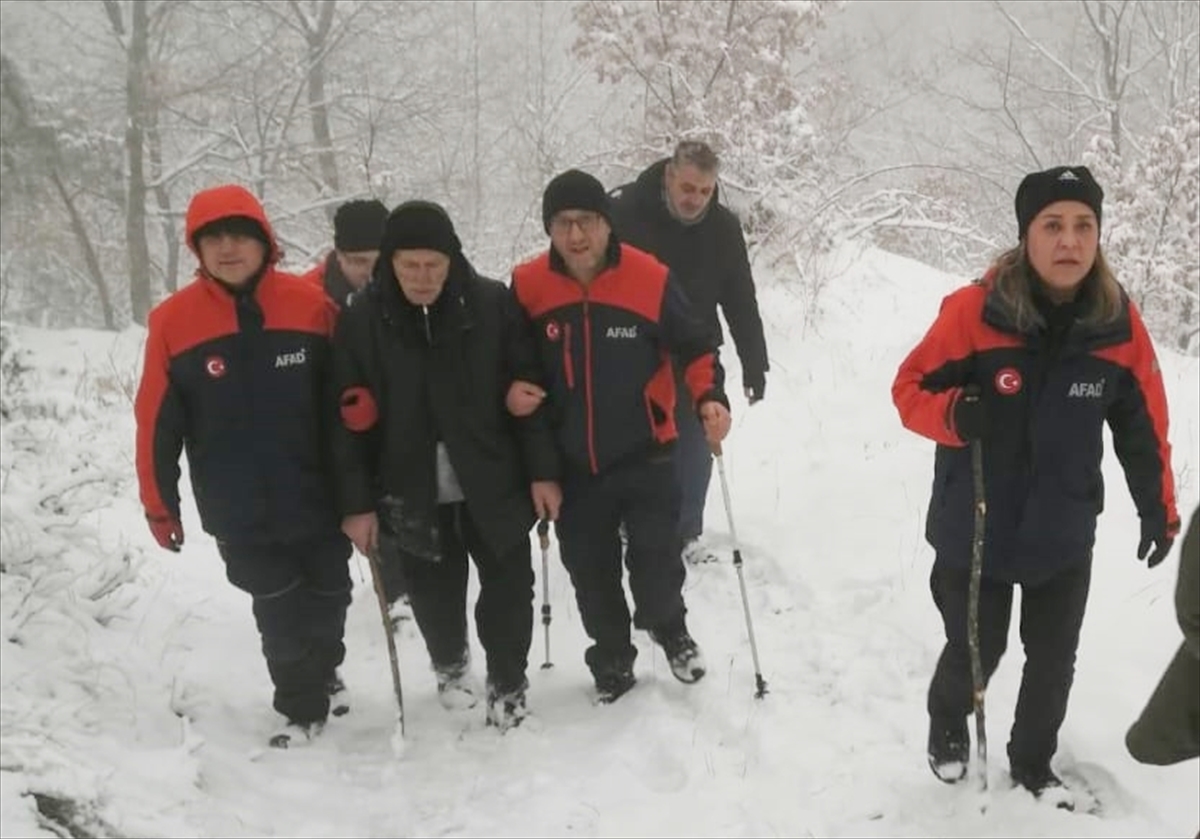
(1062, 183)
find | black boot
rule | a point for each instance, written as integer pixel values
(457, 691)
(1044, 784)
(612, 669)
(683, 654)
(506, 705)
(614, 683)
(949, 749)
(339, 702)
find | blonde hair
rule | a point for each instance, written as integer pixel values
(1014, 280)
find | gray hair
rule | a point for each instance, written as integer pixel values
(696, 153)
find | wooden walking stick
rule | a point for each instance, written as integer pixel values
(381, 595)
(543, 532)
(977, 685)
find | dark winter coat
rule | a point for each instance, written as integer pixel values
(605, 352)
(406, 379)
(238, 378)
(1047, 394)
(708, 259)
(327, 274)
(1168, 730)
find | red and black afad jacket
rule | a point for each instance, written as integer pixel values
(238, 381)
(606, 349)
(1047, 397)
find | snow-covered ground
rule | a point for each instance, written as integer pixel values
(135, 701)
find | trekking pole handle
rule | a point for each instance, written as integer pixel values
(543, 532)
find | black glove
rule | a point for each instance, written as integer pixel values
(755, 384)
(1161, 538)
(969, 414)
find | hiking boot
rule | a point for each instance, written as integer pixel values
(613, 683)
(339, 701)
(949, 750)
(684, 656)
(294, 734)
(399, 611)
(1044, 784)
(506, 708)
(456, 690)
(697, 552)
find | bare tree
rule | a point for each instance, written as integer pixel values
(721, 71)
(134, 41)
(33, 148)
(316, 24)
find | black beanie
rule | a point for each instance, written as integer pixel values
(358, 225)
(234, 226)
(419, 225)
(1062, 183)
(573, 190)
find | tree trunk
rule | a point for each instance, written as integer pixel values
(318, 107)
(137, 66)
(1110, 51)
(89, 252)
(163, 198)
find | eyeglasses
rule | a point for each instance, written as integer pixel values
(586, 223)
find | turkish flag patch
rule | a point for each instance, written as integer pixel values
(1008, 381)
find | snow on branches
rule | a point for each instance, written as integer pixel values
(1151, 225)
(722, 72)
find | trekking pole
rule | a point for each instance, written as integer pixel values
(759, 681)
(977, 685)
(543, 532)
(381, 596)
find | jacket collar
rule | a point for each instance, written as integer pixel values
(1061, 325)
(450, 313)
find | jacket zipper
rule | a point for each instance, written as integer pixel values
(587, 379)
(250, 346)
(568, 362)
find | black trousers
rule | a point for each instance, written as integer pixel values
(391, 567)
(1051, 617)
(503, 613)
(301, 591)
(644, 493)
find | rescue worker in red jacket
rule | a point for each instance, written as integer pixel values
(606, 319)
(235, 370)
(357, 231)
(1032, 361)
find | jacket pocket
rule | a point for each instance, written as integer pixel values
(659, 395)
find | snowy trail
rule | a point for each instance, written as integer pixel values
(158, 718)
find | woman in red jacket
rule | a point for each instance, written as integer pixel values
(1031, 361)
